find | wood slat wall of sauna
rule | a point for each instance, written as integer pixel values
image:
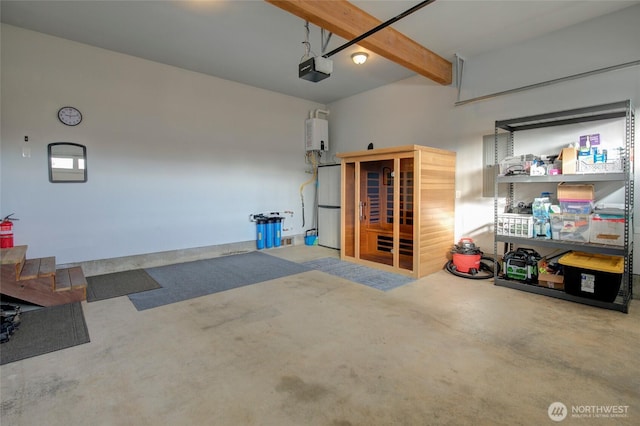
(437, 209)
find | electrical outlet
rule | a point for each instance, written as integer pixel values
(458, 194)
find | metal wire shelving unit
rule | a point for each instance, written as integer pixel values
(623, 111)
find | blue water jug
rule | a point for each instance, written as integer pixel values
(277, 232)
(268, 240)
(261, 224)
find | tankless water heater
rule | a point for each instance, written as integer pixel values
(317, 134)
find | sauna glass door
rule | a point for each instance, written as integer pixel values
(376, 222)
(386, 207)
(406, 191)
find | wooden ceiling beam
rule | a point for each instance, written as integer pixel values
(348, 21)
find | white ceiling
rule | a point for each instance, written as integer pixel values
(258, 44)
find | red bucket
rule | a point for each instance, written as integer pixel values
(465, 262)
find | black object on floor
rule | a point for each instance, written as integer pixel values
(10, 321)
(107, 286)
(194, 279)
(46, 330)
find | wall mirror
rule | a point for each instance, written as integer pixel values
(67, 162)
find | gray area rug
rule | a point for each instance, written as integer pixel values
(46, 330)
(100, 287)
(360, 274)
(194, 279)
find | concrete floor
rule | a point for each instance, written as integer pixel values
(312, 349)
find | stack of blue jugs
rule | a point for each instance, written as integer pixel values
(268, 231)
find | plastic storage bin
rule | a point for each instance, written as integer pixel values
(613, 166)
(576, 206)
(311, 237)
(515, 225)
(591, 275)
(572, 227)
(607, 229)
(556, 225)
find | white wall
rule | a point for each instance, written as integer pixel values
(417, 111)
(176, 159)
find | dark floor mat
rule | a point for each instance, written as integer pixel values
(194, 279)
(100, 287)
(46, 330)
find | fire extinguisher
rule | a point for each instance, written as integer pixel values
(6, 231)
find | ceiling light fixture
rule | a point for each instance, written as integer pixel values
(359, 58)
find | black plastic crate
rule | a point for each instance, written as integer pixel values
(601, 284)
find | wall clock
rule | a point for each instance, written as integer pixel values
(70, 116)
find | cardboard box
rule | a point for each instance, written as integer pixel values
(587, 141)
(569, 158)
(572, 191)
(549, 280)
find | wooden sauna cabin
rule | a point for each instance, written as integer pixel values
(398, 208)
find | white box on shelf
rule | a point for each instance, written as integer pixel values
(515, 225)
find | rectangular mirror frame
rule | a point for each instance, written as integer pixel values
(77, 172)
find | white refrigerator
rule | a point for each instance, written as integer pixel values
(329, 205)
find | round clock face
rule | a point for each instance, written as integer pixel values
(69, 116)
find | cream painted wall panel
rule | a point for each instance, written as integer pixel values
(176, 159)
(602, 42)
